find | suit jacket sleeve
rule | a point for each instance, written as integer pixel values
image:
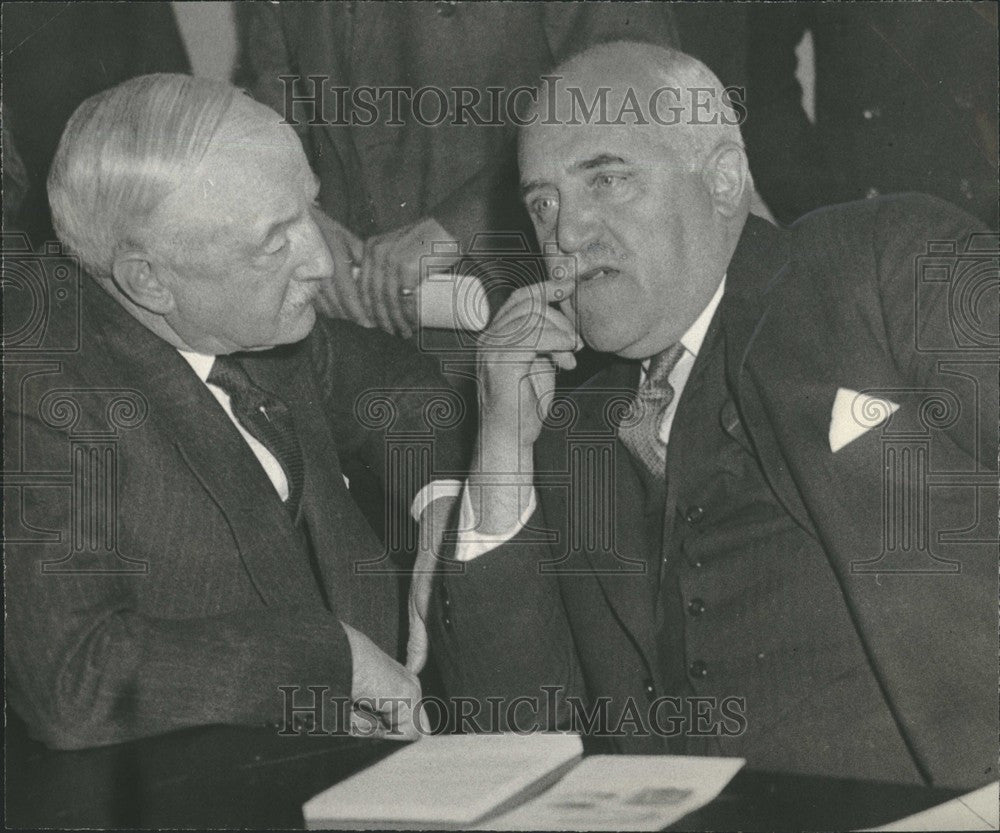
(397, 398)
(90, 663)
(499, 629)
(924, 606)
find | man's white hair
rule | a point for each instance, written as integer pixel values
(122, 153)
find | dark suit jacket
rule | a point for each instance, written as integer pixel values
(842, 300)
(383, 176)
(154, 579)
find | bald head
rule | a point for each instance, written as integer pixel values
(634, 166)
(673, 97)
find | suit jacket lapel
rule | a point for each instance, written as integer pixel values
(758, 267)
(183, 408)
(345, 546)
(623, 570)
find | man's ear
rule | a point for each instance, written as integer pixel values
(140, 280)
(727, 177)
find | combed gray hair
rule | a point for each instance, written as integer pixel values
(122, 153)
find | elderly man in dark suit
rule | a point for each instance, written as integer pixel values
(767, 529)
(210, 550)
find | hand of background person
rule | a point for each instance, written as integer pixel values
(384, 693)
(391, 264)
(340, 296)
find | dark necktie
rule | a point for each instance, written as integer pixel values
(640, 431)
(267, 418)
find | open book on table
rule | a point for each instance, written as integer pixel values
(519, 782)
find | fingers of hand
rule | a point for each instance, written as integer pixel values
(367, 279)
(397, 277)
(379, 278)
(328, 302)
(534, 302)
(350, 298)
(531, 329)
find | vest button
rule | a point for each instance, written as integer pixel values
(649, 688)
(698, 669)
(696, 607)
(694, 514)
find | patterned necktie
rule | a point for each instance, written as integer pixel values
(640, 430)
(267, 418)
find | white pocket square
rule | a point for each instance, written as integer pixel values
(855, 413)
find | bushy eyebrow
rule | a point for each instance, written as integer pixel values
(527, 187)
(276, 227)
(599, 161)
(280, 225)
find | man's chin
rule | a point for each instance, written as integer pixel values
(604, 339)
(298, 329)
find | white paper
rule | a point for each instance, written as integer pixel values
(978, 810)
(623, 792)
(443, 780)
(453, 302)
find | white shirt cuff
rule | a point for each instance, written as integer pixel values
(431, 492)
(471, 543)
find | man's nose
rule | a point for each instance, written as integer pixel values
(578, 226)
(315, 261)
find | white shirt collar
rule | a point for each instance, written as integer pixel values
(695, 335)
(200, 363)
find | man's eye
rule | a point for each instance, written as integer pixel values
(609, 181)
(543, 206)
(275, 244)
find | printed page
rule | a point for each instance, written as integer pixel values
(444, 780)
(623, 792)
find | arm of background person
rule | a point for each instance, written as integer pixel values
(381, 391)
(783, 147)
